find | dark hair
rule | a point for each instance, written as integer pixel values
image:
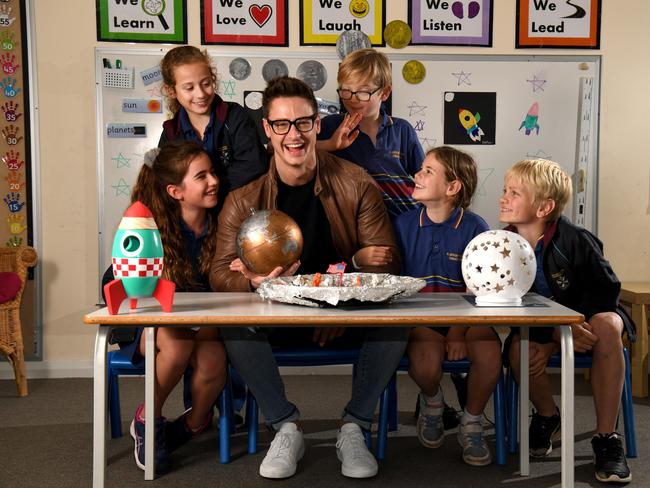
(458, 166)
(177, 57)
(286, 86)
(169, 168)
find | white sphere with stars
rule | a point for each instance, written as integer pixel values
(499, 267)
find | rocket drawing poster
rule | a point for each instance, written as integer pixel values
(470, 117)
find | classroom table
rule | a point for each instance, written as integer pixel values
(637, 294)
(249, 310)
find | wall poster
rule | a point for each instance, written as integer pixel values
(323, 21)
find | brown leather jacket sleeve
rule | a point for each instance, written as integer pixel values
(230, 219)
(374, 227)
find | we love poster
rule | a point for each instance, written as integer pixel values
(252, 22)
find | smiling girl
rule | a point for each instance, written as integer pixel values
(177, 183)
(223, 128)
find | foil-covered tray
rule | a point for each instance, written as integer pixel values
(317, 290)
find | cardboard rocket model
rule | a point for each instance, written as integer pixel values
(138, 262)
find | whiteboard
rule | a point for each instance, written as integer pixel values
(566, 89)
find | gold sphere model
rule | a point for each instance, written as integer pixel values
(268, 239)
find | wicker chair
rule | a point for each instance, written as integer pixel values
(16, 260)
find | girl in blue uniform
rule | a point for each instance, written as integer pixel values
(178, 184)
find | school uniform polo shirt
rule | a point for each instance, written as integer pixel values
(433, 252)
(392, 163)
(193, 247)
(189, 134)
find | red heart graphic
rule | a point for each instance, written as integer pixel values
(260, 14)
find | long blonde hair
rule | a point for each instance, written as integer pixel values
(169, 168)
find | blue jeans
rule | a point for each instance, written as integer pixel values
(250, 352)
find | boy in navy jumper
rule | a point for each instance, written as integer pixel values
(432, 240)
(572, 271)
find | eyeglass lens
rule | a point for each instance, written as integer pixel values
(362, 96)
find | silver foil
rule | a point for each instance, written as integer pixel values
(356, 288)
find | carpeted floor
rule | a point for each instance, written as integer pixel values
(46, 442)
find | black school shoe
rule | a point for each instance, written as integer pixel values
(543, 432)
(610, 465)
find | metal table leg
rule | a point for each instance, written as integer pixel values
(99, 409)
(566, 412)
(150, 421)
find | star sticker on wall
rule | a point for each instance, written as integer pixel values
(228, 88)
(537, 83)
(121, 161)
(483, 174)
(154, 91)
(415, 108)
(463, 78)
(539, 154)
(427, 142)
(121, 188)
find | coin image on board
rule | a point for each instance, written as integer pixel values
(351, 40)
(313, 73)
(239, 68)
(397, 34)
(274, 68)
(253, 100)
(413, 71)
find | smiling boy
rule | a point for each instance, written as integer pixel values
(571, 270)
(387, 147)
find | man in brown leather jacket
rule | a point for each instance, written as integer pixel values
(342, 217)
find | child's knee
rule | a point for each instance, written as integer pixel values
(608, 327)
(486, 354)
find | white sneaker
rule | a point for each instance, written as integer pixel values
(286, 450)
(356, 460)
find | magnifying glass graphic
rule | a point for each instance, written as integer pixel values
(156, 8)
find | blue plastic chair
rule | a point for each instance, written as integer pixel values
(119, 364)
(388, 408)
(581, 361)
(309, 356)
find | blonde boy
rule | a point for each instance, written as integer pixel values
(572, 271)
(387, 147)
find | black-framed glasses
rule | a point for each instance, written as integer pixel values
(362, 95)
(283, 126)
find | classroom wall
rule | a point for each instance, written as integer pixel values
(65, 38)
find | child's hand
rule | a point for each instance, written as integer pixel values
(539, 356)
(323, 335)
(373, 256)
(583, 338)
(256, 280)
(455, 344)
(345, 134)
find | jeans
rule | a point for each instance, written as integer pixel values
(250, 352)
